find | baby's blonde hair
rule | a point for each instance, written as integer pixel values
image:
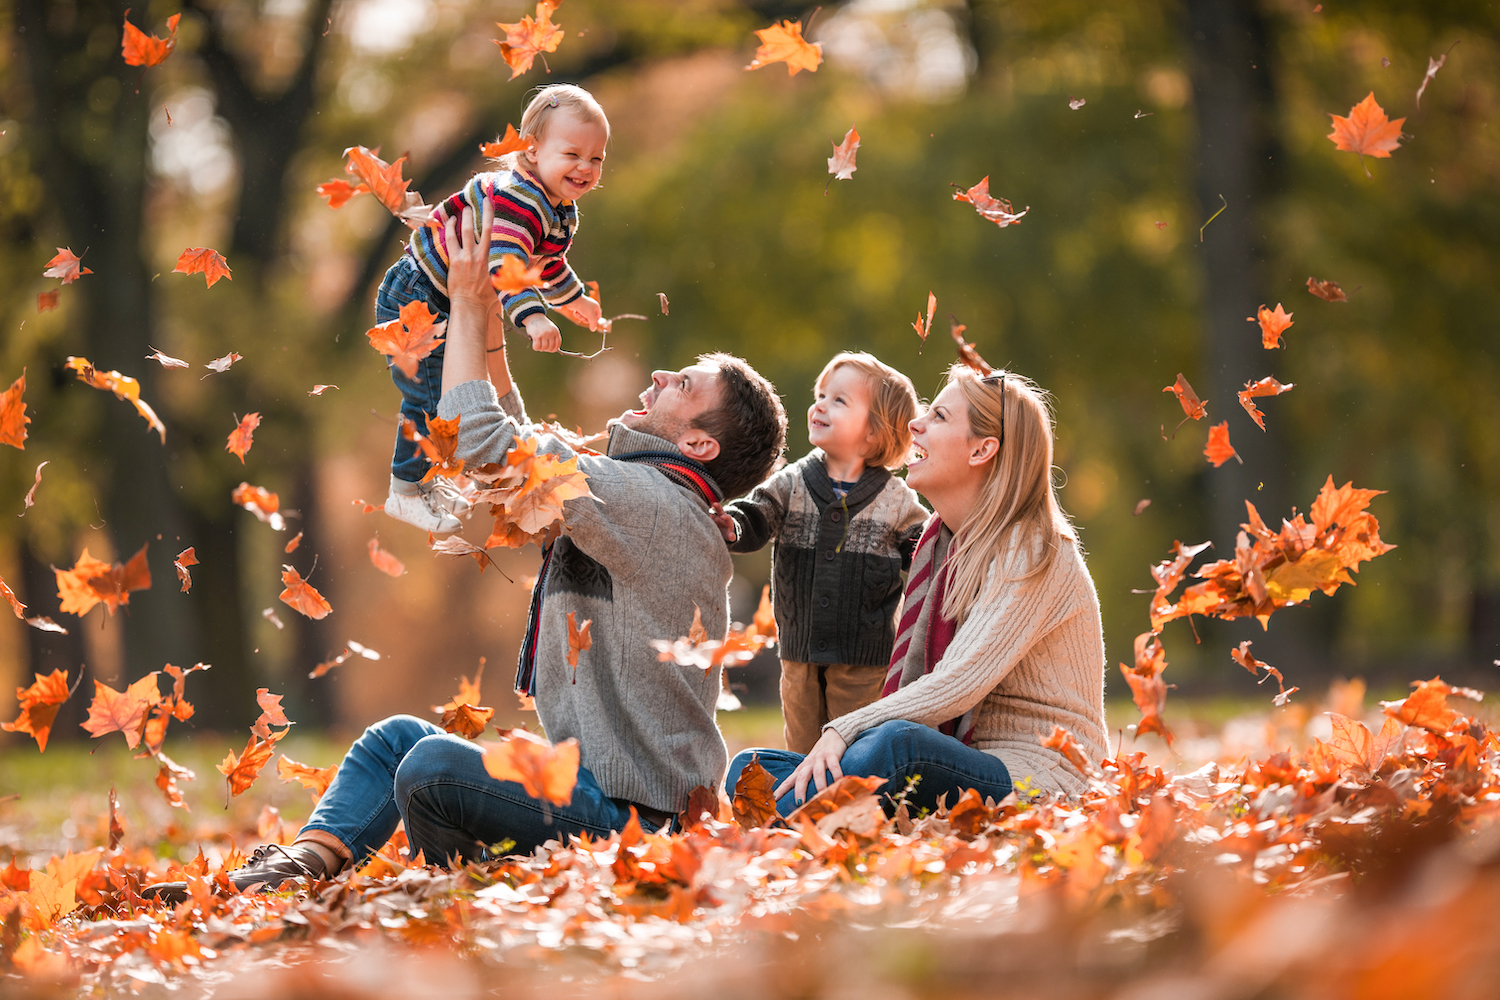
(893, 405)
(549, 102)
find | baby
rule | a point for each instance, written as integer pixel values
(844, 529)
(533, 193)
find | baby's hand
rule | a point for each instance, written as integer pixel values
(543, 333)
(584, 311)
(726, 524)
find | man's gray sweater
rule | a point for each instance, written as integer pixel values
(635, 561)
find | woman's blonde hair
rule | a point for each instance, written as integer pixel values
(893, 405)
(1017, 504)
(550, 101)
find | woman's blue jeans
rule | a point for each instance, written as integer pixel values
(407, 769)
(405, 282)
(897, 751)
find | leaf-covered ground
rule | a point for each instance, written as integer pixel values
(1360, 866)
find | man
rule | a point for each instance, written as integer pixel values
(637, 561)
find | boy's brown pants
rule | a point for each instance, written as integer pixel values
(812, 694)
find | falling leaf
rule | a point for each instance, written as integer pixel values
(468, 691)
(923, 329)
(141, 49)
(204, 261)
(122, 711)
(43, 624)
(92, 582)
(1433, 65)
(123, 386)
(997, 210)
(1267, 386)
(579, 640)
(385, 182)
(302, 596)
(350, 649)
(529, 37)
(468, 721)
(1219, 450)
(1140, 506)
(184, 559)
(1328, 291)
(1426, 707)
(221, 365)
(13, 418)
(167, 361)
(318, 390)
(1194, 407)
(1064, 743)
(264, 504)
(543, 770)
(10, 596)
(39, 703)
(66, 266)
(1243, 657)
(315, 779)
(46, 301)
(458, 545)
(338, 191)
(784, 43)
(1366, 131)
(1076, 102)
(271, 713)
(167, 776)
(410, 337)
(666, 307)
(29, 500)
(966, 352)
(383, 560)
(511, 142)
(841, 163)
(1146, 685)
(1161, 225)
(240, 438)
(269, 614)
(514, 276)
(240, 771)
(1272, 325)
(292, 545)
(754, 803)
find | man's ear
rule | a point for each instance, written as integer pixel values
(698, 444)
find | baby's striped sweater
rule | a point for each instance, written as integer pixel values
(527, 225)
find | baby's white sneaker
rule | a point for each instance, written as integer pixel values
(446, 494)
(420, 505)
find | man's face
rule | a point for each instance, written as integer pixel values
(674, 401)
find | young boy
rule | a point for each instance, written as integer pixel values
(535, 218)
(844, 529)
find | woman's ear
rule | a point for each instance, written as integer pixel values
(983, 450)
(698, 445)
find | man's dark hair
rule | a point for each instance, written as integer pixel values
(749, 424)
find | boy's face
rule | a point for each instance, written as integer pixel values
(839, 419)
(569, 158)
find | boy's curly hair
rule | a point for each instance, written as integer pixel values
(893, 405)
(749, 423)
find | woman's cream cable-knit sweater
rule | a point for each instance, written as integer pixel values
(1030, 656)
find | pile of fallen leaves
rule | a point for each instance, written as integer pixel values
(1217, 873)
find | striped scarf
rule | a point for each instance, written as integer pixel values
(923, 627)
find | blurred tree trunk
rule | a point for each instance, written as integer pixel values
(88, 130)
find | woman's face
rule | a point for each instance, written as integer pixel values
(943, 445)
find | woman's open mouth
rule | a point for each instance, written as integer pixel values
(917, 454)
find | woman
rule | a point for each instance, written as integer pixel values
(999, 639)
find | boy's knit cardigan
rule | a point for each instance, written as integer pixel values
(1029, 657)
(636, 561)
(836, 577)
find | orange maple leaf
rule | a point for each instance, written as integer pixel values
(49, 899)
(1219, 450)
(187, 557)
(1272, 324)
(205, 261)
(314, 779)
(468, 721)
(122, 711)
(441, 448)
(1427, 707)
(123, 386)
(514, 276)
(264, 504)
(1064, 743)
(240, 771)
(458, 545)
(1354, 746)
(92, 582)
(13, 418)
(408, 338)
(1146, 685)
(240, 439)
(784, 43)
(966, 352)
(67, 266)
(1328, 291)
(1267, 386)
(339, 191)
(291, 546)
(385, 182)
(46, 301)
(141, 49)
(468, 691)
(997, 210)
(302, 596)
(167, 776)
(39, 705)
(10, 596)
(383, 560)
(1194, 407)
(529, 37)
(763, 623)
(1244, 658)
(1366, 131)
(923, 329)
(511, 142)
(543, 770)
(579, 640)
(841, 166)
(754, 801)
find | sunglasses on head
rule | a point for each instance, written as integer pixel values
(1000, 381)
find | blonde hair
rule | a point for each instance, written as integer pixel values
(893, 405)
(551, 101)
(1017, 502)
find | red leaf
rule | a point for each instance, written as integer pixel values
(385, 182)
(545, 771)
(315, 779)
(39, 703)
(241, 771)
(997, 210)
(123, 386)
(122, 711)
(91, 582)
(13, 418)
(1366, 131)
(141, 49)
(1272, 324)
(204, 261)
(513, 276)
(339, 191)
(579, 640)
(66, 266)
(1219, 450)
(1267, 386)
(1328, 291)
(184, 559)
(923, 329)
(302, 596)
(383, 560)
(1194, 407)
(46, 301)
(754, 803)
(240, 439)
(511, 142)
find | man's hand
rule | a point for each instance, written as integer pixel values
(584, 311)
(473, 301)
(543, 333)
(824, 760)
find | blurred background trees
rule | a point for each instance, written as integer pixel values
(715, 194)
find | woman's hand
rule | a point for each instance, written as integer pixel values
(825, 758)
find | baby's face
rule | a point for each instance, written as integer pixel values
(569, 158)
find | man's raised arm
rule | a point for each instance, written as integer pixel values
(476, 335)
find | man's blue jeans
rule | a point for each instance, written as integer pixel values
(897, 751)
(405, 768)
(406, 282)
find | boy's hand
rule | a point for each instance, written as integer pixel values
(584, 311)
(543, 333)
(726, 524)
